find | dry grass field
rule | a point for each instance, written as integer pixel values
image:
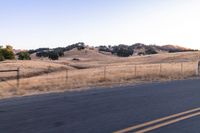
(93, 69)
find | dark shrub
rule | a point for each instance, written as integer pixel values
(76, 59)
(24, 56)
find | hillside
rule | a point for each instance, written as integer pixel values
(88, 56)
(138, 47)
(43, 75)
(142, 49)
(85, 54)
(80, 50)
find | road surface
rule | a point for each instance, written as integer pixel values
(157, 107)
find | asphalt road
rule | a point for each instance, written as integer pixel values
(103, 110)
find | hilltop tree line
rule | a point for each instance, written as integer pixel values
(8, 54)
(55, 53)
(126, 50)
(120, 50)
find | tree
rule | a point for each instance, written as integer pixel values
(24, 56)
(7, 53)
(44, 53)
(32, 51)
(122, 50)
(60, 51)
(80, 46)
(1, 55)
(53, 55)
(150, 51)
(104, 48)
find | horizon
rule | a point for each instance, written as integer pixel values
(48, 23)
(100, 45)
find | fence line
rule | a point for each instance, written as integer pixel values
(109, 73)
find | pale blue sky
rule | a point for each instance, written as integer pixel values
(52, 23)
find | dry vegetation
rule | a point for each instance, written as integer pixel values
(40, 76)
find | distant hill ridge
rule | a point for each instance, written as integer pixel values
(162, 48)
(168, 47)
(119, 50)
(143, 49)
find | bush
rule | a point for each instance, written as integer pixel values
(24, 56)
(76, 59)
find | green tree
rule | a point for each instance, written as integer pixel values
(24, 56)
(53, 55)
(1, 55)
(150, 51)
(8, 53)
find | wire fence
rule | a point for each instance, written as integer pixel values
(69, 79)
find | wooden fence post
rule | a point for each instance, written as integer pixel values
(182, 69)
(160, 69)
(135, 70)
(198, 68)
(66, 76)
(18, 77)
(104, 72)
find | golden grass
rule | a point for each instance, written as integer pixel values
(29, 68)
(69, 79)
(41, 76)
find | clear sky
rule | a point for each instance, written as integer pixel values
(52, 23)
